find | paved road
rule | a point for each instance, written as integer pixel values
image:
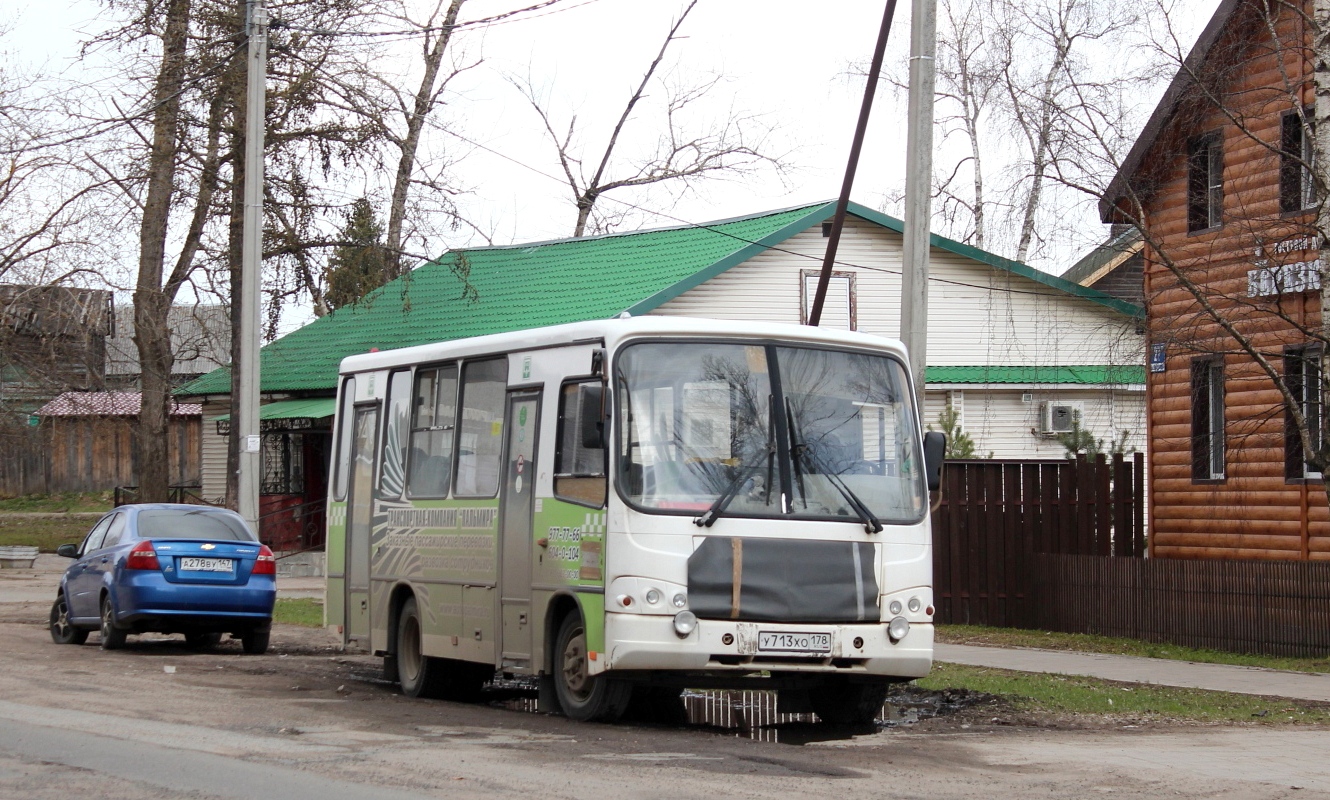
(160, 721)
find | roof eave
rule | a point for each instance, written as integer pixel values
(1163, 112)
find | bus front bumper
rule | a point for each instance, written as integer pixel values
(645, 642)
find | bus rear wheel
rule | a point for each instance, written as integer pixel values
(420, 675)
(846, 703)
(583, 696)
(427, 676)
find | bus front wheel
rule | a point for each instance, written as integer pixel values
(846, 703)
(583, 696)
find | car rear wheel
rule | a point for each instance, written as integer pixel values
(583, 696)
(113, 638)
(203, 640)
(61, 631)
(255, 643)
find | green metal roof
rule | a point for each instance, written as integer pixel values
(1089, 375)
(548, 283)
(311, 408)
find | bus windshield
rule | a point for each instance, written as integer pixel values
(751, 430)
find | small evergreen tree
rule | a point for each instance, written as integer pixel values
(359, 264)
(959, 443)
(1079, 440)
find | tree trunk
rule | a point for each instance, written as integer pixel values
(415, 121)
(152, 334)
(1039, 147)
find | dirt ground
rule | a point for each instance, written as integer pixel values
(313, 711)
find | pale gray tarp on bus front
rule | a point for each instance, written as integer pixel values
(783, 580)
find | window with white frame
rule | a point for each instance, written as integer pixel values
(1207, 419)
(1302, 376)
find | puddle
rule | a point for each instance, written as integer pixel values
(752, 713)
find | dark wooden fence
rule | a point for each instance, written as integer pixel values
(1060, 546)
(996, 514)
(89, 454)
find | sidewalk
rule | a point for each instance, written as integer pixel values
(1136, 669)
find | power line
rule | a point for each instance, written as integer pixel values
(498, 19)
(712, 229)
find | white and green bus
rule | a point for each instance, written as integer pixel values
(640, 504)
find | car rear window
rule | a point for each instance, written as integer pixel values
(172, 524)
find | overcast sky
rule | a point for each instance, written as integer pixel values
(786, 59)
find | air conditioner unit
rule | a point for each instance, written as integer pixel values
(1059, 418)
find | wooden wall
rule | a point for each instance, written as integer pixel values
(1254, 512)
(91, 454)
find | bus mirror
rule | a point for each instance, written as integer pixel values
(592, 422)
(935, 448)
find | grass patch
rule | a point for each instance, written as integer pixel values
(304, 611)
(1033, 693)
(1086, 643)
(59, 503)
(45, 533)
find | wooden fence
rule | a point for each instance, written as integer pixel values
(89, 454)
(1273, 607)
(1060, 546)
(995, 514)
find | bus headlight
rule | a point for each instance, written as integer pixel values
(685, 622)
(634, 595)
(914, 604)
(895, 607)
(897, 630)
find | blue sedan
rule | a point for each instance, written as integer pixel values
(195, 570)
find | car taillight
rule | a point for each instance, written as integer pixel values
(142, 557)
(266, 563)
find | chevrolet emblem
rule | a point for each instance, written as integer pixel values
(208, 546)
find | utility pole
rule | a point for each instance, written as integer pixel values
(918, 189)
(246, 406)
(856, 146)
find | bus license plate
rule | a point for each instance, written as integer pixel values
(206, 565)
(774, 642)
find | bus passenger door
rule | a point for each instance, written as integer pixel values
(359, 519)
(517, 504)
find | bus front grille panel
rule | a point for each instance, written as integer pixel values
(782, 580)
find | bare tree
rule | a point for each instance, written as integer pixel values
(734, 146)
(1231, 279)
(1008, 74)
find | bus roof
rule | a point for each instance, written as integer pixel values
(611, 332)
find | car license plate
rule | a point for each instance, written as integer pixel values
(781, 642)
(207, 565)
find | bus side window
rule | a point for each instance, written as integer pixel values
(392, 467)
(480, 445)
(345, 417)
(579, 471)
(433, 424)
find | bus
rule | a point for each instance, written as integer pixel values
(637, 505)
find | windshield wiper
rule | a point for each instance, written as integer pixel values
(871, 525)
(710, 516)
(801, 451)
